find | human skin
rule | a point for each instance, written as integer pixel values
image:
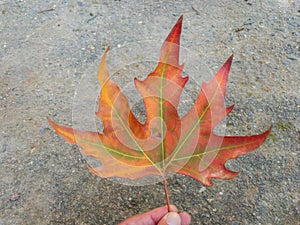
(159, 216)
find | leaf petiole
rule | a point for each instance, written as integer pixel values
(167, 194)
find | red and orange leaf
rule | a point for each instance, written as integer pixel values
(165, 143)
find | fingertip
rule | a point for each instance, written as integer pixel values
(185, 218)
(171, 218)
(173, 208)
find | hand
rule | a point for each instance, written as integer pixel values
(159, 216)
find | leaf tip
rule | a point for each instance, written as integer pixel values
(174, 35)
(50, 121)
(66, 132)
(267, 132)
(102, 71)
(229, 109)
(180, 19)
(229, 61)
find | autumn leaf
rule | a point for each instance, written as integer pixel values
(165, 143)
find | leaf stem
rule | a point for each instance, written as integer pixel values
(167, 194)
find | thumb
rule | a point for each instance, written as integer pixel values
(171, 218)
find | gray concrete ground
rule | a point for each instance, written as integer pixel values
(47, 47)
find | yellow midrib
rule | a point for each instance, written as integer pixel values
(177, 149)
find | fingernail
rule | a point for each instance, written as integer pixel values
(173, 219)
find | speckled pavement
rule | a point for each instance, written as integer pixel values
(48, 47)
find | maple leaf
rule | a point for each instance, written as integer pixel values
(165, 143)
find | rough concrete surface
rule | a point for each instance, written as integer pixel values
(47, 47)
